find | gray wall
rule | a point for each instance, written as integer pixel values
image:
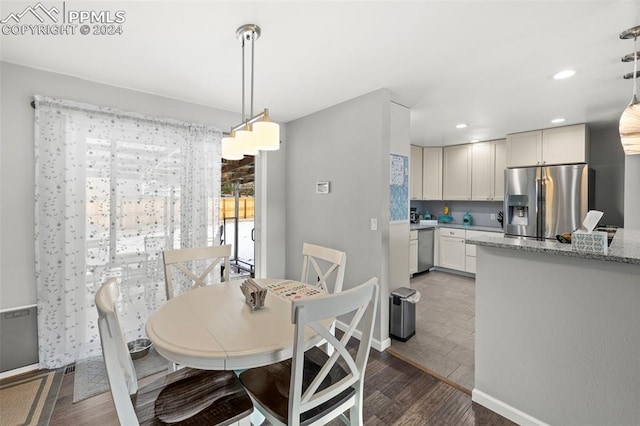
(347, 145)
(607, 160)
(18, 85)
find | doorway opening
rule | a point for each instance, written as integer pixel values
(237, 214)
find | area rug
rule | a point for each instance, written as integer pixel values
(29, 399)
(91, 375)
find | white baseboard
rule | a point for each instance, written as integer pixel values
(376, 344)
(381, 346)
(17, 371)
(505, 410)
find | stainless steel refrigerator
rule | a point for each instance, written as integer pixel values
(543, 201)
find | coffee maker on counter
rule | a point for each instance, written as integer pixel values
(414, 217)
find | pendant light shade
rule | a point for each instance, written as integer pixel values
(257, 132)
(630, 129)
(229, 148)
(267, 134)
(630, 119)
(245, 139)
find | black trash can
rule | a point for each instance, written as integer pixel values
(402, 314)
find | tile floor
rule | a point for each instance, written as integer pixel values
(445, 327)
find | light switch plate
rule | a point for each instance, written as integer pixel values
(374, 224)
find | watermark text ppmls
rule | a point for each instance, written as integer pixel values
(62, 19)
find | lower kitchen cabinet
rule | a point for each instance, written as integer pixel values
(452, 248)
(470, 249)
(413, 252)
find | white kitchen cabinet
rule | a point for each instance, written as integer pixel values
(524, 149)
(415, 160)
(436, 247)
(470, 249)
(456, 180)
(562, 145)
(413, 252)
(487, 166)
(452, 248)
(499, 156)
(432, 173)
(482, 173)
(558, 145)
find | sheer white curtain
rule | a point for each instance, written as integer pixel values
(112, 190)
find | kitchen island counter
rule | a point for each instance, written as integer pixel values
(557, 331)
(625, 247)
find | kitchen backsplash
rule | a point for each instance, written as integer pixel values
(480, 211)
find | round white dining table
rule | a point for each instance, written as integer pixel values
(212, 328)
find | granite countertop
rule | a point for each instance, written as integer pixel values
(625, 247)
(417, 226)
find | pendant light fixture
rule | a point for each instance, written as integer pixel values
(256, 133)
(630, 119)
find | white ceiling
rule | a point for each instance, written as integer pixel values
(488, 64)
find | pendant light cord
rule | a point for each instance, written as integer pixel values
(243, 96)
(253, 40)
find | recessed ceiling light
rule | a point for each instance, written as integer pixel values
(474, 140)
(564, 74)
(461, 125)
(557, 120)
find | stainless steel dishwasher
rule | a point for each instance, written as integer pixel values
(425, 249)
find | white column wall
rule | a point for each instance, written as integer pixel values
(632, 192)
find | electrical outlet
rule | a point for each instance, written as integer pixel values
(374, 224)
(493, 216)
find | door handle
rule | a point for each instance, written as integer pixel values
(253, 234)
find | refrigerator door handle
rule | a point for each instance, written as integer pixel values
(540, 211)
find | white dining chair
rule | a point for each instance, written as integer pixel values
(312, 388)
(185, 261)
(333, 263)
(196, 396)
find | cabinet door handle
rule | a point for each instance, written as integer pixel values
(451, 232)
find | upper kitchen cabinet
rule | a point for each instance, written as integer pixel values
(488, 164)
(415, 189)
(562, 145)
(456, 181)
(559, 145)
(426, 173)
(524, 149)
(432, 173)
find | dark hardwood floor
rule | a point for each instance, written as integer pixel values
(396, 393)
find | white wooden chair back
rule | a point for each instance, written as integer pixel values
(120, 370)
(184, 261)
(361, 301)
(336, 260)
